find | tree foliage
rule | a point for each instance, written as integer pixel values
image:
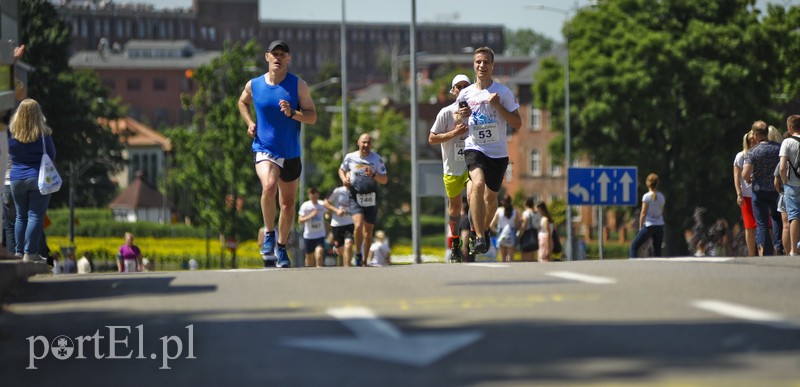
(212, 166)
(72, 101)
(389, 130)
(670, 87)
(526, 42)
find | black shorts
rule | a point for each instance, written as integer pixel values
(340, 233)
(311, 244)
(493, 169)
(291, 169)
(370, 213)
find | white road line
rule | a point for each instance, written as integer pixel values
(743, 312)
(687, 259)
(589, 279)
(492, 265)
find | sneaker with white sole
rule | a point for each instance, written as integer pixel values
(33, 258)
(283, 258)
(268, 248)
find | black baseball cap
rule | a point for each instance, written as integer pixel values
(278, 44)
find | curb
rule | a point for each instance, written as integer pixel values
(14, 272)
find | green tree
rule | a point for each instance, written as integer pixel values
(390, 134)
(72, 101)
(212, 170)
(668, 86)
(526, 42)
(782, 26)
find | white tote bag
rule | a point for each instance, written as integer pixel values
(49, 180)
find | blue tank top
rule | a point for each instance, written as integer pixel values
(276, 133)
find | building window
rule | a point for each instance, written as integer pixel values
(134, 84)
(186, 84)
(536, 119)
(109, 83)
(536, 163)
(159, 84)
(555, 169)
(212, 34)
(84, 28)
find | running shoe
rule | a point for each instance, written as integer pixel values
(268, 248)
(283, 258)
(455, 250)
(480, 246)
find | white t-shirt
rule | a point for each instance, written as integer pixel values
(747, 188)
(487, 128)
(380, 253)
(340, 198)
(655, 209)
(505, 226)
(356, 165)
(313, 228)
(790, 149)
(452, 150)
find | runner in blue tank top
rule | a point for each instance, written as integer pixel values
(281, 102)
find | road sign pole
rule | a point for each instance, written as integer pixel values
(600, 230)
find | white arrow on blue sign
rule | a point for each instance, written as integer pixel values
(607, 186)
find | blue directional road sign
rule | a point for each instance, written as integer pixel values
(606, 186)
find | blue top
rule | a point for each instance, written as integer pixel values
(26, 158)
(276, 133)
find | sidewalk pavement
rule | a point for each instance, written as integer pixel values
(14, 271)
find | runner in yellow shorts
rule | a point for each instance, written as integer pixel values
(450, 130)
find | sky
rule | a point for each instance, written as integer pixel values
(513, 14)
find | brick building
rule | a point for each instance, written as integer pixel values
(149, 76)
(209, 23)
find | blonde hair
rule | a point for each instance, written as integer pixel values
(746, 141)
(28, 123)
(774, 134)
(380, 235)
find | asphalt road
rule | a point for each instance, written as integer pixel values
(726, 322)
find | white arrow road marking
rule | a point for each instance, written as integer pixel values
(578, 190)
(626, 181)
(604, 180)
(589, 279)
(378, 339)
(743, 312)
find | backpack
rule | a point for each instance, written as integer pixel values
(795, 168)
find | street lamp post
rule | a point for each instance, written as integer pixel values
(567, 134)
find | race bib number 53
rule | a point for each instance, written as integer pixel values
(485, 133)
(366, 199)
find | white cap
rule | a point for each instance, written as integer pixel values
(460, 78)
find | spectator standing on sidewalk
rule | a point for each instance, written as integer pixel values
(651, 218)
(506, 221)
(29, 139)
(790, 176)
(129, 257)
(744, 194)
(759, 167)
